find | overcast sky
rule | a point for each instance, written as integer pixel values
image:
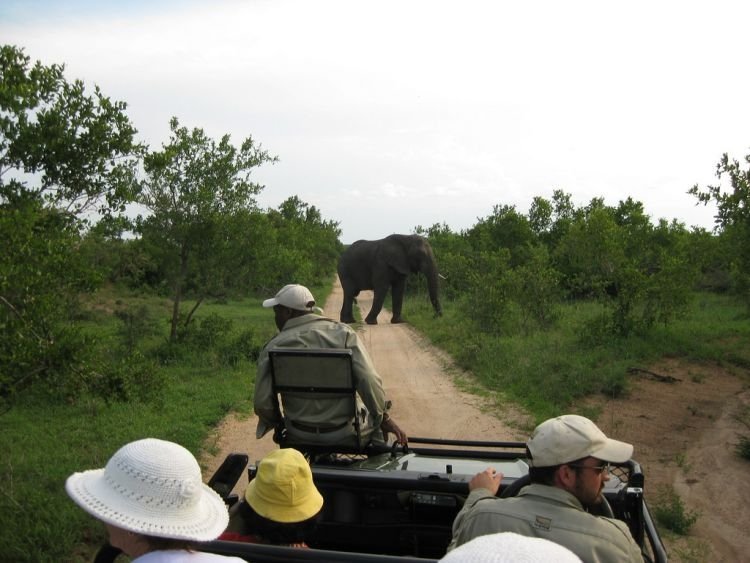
(388, 115)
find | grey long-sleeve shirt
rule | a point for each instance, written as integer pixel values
(315, 331)
(551, 513)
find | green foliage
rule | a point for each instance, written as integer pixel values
(592, 253)
(74, 151)
(128, 378)
(42, 444)
(505, 229)
(306, 246)
(40, 277)
(207, 332)
(243, 347)
(548, 371)
(65, 153)
(743, 447)
(137, 324)
(193, 186)
(487, 299)
(508, 273)
(733, 217)
(670, 511)
(536, 290)
(211, 340)
(135, 396)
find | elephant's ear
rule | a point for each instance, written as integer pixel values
(395, 255)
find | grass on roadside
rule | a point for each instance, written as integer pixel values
(547, 371)
(43, 442)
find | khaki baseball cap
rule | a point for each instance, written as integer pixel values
(294, 296)
(569, 437)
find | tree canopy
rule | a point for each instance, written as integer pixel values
(733, 217)
(63, 153)
(192, 187)
(73, 150)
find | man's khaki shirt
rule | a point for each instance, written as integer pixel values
(315, 331)
(551, 513)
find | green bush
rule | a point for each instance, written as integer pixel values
(132, 377)
(743, 447)
(212, 341)
(245, 346)
(670, 512)
(137, 324)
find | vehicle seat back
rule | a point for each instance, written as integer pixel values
(315, 394)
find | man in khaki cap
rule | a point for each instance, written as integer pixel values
(301, 327)
(569, 458)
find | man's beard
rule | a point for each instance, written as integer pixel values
(591, 503)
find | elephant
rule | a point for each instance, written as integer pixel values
(384, 263)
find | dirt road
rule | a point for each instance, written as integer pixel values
(417, 378)
(684, 432)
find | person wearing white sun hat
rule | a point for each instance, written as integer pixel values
(507, 547)
(153, 502)
(569, 460)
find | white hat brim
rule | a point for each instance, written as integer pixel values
(203, 521)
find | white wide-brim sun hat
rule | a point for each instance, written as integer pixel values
(151, 487)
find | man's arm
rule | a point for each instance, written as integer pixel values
(368, 382)
(263, 402)
(389, 426)
(488, 479)
(466, 527)
(370, 389)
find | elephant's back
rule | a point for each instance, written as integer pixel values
(355, 263)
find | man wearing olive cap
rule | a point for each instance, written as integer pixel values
(301, 327)
(569, 459)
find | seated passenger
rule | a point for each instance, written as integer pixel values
(569, 458)
(300, 327)
(281, 503)
(153, 502)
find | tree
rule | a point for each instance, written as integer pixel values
(63, 154)
(73, 151)
(192, 186)
(307, 246)
(540, 215)
(505, 228)
(733, 216)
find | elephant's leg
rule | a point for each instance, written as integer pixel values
(347, 316)
(378, 299)
(397, 299)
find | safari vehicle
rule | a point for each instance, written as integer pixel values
(399, 503)
(385, 504)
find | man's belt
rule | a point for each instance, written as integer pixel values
(318, 429)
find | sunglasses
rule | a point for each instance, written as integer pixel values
(598, 469)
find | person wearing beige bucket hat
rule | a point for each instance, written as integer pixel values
(300, 326)
(153, 502)
(281, 502)
(569, 460)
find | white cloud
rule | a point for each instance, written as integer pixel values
(392, 114)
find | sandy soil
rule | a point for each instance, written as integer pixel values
(684, 431)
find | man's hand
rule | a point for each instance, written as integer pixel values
(389, 426)
(488, 479)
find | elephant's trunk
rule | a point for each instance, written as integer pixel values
(431, 273)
